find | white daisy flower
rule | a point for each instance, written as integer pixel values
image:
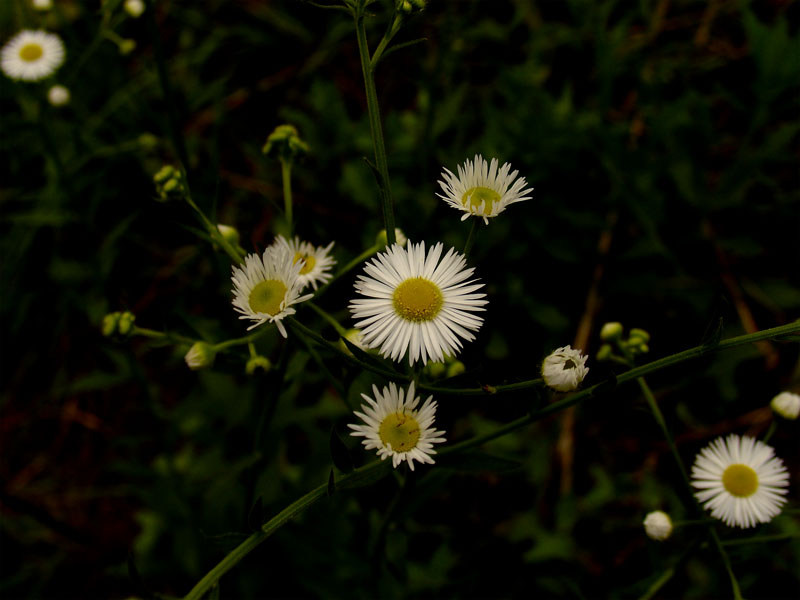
(658, 525)
(58, 95)
(481, 190)
(787, 405)
(316, 262)
(32, 55)
(396, 427)
(740, 480)
(267, 286)
(417, 303)
(564, 369)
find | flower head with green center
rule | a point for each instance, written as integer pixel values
(416, 303)
(396, 427)
(564, 369)
(481, 190)
(316, 262)
(32, 55)
(267, 286)
(740, 480)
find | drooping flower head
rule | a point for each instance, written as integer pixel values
(396, 427)
(741, 480)
(481, 190)
(787, 405)
(416, 303)
(267, 286)
(32, 55)
(316, 261)
(564, 369)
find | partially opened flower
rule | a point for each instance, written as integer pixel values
(32, 55)
(316, 261)
(396, 427)
(267, 286)
(417, 303)
(481, 190)
(564, 369)
(740, 480)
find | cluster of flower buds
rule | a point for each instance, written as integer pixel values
(285, 143)
(611, 333)
(169, 183)
(442, 370)
(118, 324)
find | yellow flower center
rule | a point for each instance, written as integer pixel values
(740, 480)
(417, 299)
(474, 196)
(401, 431)
(267, 297)
(31, 52)
(308, 262)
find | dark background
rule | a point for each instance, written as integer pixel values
(661, 139)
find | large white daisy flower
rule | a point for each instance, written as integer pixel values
(396, 427)
(481, 190)
(32, 55)
(267, 286)
(316, 262)
(564, 369)
(417, 303)
(740, 480)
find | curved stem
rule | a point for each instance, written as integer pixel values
(242, 340)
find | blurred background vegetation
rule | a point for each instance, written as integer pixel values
(661, 137)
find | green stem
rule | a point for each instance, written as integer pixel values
(325, 315)
(778, 537)
(381, 163)
(375, 470)
(152, 333)
(772, 428)
(471, 237)
(212, 229)
(242, 340)
(286, 176)
(737, 593)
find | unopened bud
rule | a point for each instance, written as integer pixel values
(604, 353)
(284, 142)
(399, 238)
(611, 331)
(787, 405)
(455, 368)
(258, 362)
(229, 233)
(435, 369)
(638, 336)
(58, 95)
(200, 356)
(134, 8)
(118, 324)
(127, 46)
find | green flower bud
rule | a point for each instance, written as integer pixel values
(200, 356)
(787, 405)
(118, 324)
(611, 331)
(354, 337)
(638, 335)
(456, 368)
(229, 233)
(169, 183)
(604, 353)
(284, 142)
(435, 370)
(127, 46)
(164, 174)
(399, 237)
(148, 141)
(258, 362)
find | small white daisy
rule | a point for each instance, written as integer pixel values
(316, 262)
(58, 95)
(740, 480)
(481, 190)
(396, 427)
(564, 369)
(32, 55)
(658, 525)
(787, 405)
(417, 303)
(267, 286)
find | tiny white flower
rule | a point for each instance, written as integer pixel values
(417, 303)
(787, 405)
(134, 8)
(316, 262)
(658, 525)
(740, 480)
(564, 369)
(42, 4)
(32, 55)
(58, 95)
(267, 286)
(394, 426)
(481, 190)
